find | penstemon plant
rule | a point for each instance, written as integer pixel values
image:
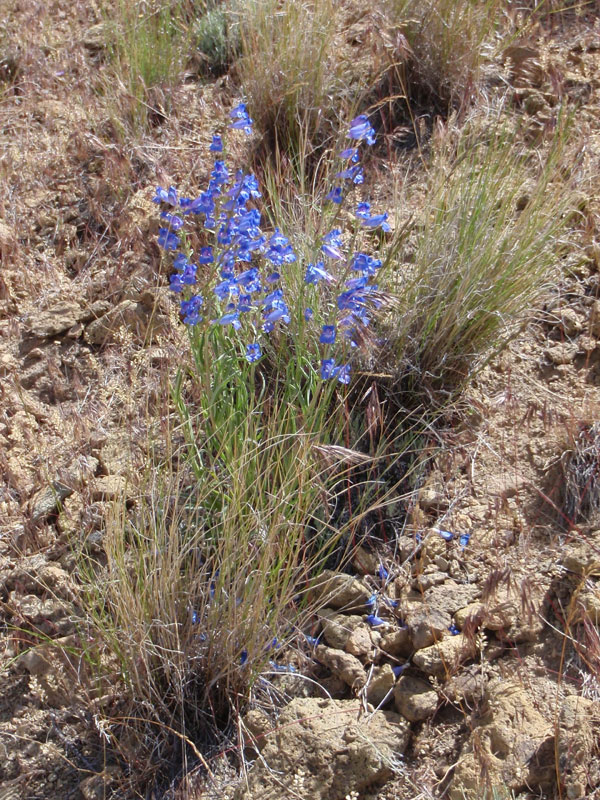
(235, 279)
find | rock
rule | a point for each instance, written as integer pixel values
(562, 353)
(55, 320)
(451, 596)
(363, 642)
(98, 787)
(338, 590)
(48, 501)
(443, 658)
(332, 745)
(118, 456)
(512, 746)
(380, 685)
(589, 604)
(595, 319)
(583, 557)
(337, 627)
(427, 625)
(415, 699)
(98, 37)
(342, 665)
(397, 643)
(467, 686)
(470, 616)
(108, 487)
(137, 318)
(571, 322)
(433, 500)
(365, 563)
(8, 241)
(578, 746)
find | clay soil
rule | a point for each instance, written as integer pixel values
(89, 338)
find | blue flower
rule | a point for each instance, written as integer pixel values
(167, 240)
(335, 195)
(317, 272)
(329, 369)
(328, 334)
(454, 630)
(174, 222)
(400, 669)
(360, 128)
(363, 213)
(368, 265)
(190, 310)
(163, 196)
(243, 657)
(351, 153)
(308, 314)
(206, 255)
(253, 352)
(332, 242)
(464, 540)
(447, 536)
(241, 119)
(354, 174)
(230, 319)
(373, 620)
(216, 144)
(382, 572)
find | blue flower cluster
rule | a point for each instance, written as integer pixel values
(244, 265)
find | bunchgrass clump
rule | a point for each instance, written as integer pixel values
(148, 45)
(485, 248)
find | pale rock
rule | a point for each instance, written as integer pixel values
(512, 739)
(380, 685)
(427, 625)
(415, 699)
(443, 658)
(338, 590)
(337, 627)
(342, 665)
(335, 746)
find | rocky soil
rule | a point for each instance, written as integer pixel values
(462, 655)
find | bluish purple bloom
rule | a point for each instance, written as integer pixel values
(368, 265)
(351, 153)
(163, 196)
(372, 601)
(374, 621)
(312, 641)
(464, 540)
(308, 314)
(335, 195)
(400, 669)
(243, 657)
(174, 222)
(354, 174)
(317, 272)
(329, 369)
(231, 319)
(216, 144)
(454, 630)
(206, 255)
(363, 212)
(332, 243)
(273, 277)
(382, 572)
(253, 352)
(167, 239)
(360, 128)
(328, 334)
(241, 119)
(447, 536)
(190, 310)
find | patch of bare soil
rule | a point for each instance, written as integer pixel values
(486, 664)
